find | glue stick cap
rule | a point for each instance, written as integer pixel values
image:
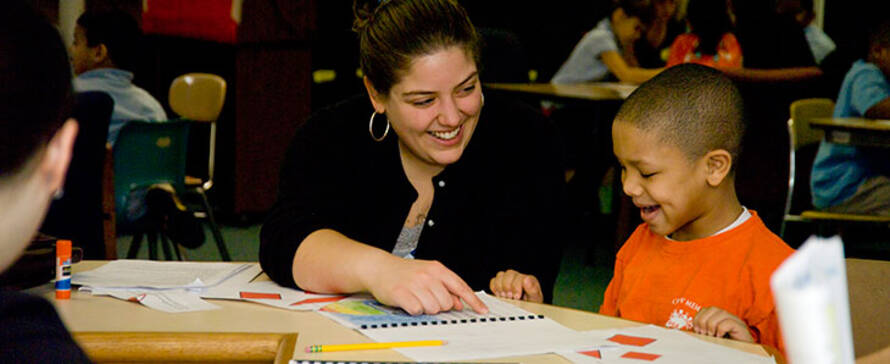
(63, 247)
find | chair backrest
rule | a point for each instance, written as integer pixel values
(802, 111)
(868, 282)
(78, 215)
(147, 153)
(801, 136)
(200, 97)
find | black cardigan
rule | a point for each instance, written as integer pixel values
(499, 207)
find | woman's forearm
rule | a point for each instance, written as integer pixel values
(329, 262)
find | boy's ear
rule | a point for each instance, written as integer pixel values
(54, 164)
(100, 53)
(376, 100)
(719, 164)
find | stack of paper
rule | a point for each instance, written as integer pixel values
(810, 289)
(165, 286)
(183, 286)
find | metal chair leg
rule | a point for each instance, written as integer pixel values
(214, 228)
(165, 246)
(152, 245)
(134, 245)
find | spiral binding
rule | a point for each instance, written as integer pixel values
(451, 322)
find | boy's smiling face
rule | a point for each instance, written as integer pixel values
(670, 190)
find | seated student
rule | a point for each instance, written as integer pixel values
(652, 49)
(607, 49)
(104, 53)
(802, 12)
(709, 41)
(35, 148)
(850, 179)
(700, 261)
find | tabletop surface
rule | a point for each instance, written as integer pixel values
(587, 91)
(852, 124)
(84, 312)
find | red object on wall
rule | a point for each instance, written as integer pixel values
(199, 19)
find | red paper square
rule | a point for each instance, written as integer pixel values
(593, 353)
(631, 340)
(640, 356)
(260, 295)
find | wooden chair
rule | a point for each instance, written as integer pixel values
(200, 97)
(198, 347)
(868, 283)
(804, 143)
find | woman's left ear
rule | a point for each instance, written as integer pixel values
(719, 164)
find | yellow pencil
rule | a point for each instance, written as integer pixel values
(372, 346)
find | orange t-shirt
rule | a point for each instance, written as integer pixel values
(666, 282)
(685, 50)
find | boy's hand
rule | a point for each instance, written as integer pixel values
(515, 285)
(714, 321)
(422, 287)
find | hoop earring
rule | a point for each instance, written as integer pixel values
(371, 128)
(483, 98)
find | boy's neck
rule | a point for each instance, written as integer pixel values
(725, 209)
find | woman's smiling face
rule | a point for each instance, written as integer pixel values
(435, 106)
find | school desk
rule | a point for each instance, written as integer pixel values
(119, 329)
(855, 131)
(592, 91)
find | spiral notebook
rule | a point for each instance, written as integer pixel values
(505, 331)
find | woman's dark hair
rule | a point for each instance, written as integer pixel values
(35, 75)
(641, 9)
(118, 31)
(709, 20)
(393, 32)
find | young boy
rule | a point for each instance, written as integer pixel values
(608, 48)
(850, 179)
(700, 261)
(103, 54)
(35, 148)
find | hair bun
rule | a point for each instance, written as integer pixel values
(363, 10)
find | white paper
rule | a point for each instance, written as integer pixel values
(171, 301)
(158, 275)
(467, 335)
(810, 290)
(670, 346)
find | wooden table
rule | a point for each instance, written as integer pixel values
(855, 131)
(105, 317)
(594, 91)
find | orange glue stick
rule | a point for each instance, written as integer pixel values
(63, 269)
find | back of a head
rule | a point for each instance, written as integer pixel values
(709, 20)
(118, 31)
(879, 38)
(692, 107)
(642, 9)
(393, 32)
(36, 78)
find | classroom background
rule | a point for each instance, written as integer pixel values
(284, 59)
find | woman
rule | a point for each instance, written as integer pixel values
(35, 148)
(444, 196)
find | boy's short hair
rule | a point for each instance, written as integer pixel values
(693, 107)
(642, 9)
(880, 36)
(118, 31)
(35, 97)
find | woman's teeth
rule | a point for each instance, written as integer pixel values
(445, 135)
